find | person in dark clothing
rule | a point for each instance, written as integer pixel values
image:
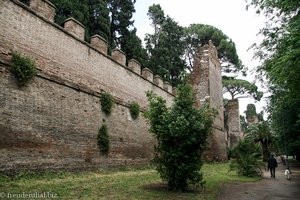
(272, 164)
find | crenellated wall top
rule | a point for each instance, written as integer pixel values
(62, 51)
(74, 27)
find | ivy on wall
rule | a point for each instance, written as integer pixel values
(23, 68)
(103, 139)
(134, 109)
(107, 102)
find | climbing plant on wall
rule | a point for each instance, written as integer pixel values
(23, 68)
(107, 102)
(103, 139)
(134, 109)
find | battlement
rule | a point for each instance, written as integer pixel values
(47, 9)
(44, 8)
(63, 52)
(74, 27)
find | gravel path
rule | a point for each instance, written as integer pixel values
(267, 189)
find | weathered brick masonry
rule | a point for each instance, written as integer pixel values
(206, 79)
(53, 121)
(233, 122)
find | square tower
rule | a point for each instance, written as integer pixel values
(206, 80)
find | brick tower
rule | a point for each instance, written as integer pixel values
(206, 79)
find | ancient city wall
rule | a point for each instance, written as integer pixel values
(233, 122)
(59, 53)
(53, 121)
(206, 79)
(49, 125)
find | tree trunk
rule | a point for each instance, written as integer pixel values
(265, 151)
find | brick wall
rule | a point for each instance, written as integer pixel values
(61, 54)
(53, 122)
(233, 122)
(48, 125)
(207, 83)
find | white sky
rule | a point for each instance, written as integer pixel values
(229, 16)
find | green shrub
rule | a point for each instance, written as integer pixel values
(103, 139)
(251, 110)
(23, 68)
(229, 153)
(107, 102)
(181, 132)
(248, 160)
(134, 109)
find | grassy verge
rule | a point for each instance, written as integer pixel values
(130, 184)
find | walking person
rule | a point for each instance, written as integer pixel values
(272, 164)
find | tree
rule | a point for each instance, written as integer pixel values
(250, 111)
(181, 132)
(110, 19)
(132, 46)
(93, 14)
(244, 124)
(165, 47)
(157, 17)
(247, 159)
(123, 34)
(239, 87)
(284, 116)
(197, 35)
(260, 133)
(99, 21)
(280, 55)
(121, 13)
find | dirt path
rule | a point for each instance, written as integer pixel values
(267, 189)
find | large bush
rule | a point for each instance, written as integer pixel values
(181, 132)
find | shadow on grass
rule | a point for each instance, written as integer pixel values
(161, 187)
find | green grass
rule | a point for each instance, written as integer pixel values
(130, 184)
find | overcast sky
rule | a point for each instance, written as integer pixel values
(229, 16)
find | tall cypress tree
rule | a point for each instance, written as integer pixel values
(93, 14)
(121, 14)
(123, 34)
(99, 22)
(165, 47)
(111, 19)
(131, 44)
